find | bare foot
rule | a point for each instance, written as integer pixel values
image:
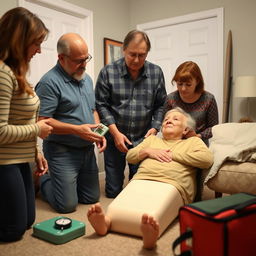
(150, 231)
(98, 220)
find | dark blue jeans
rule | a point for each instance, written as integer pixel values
(74, 176)
(17, 201)
(115, 163)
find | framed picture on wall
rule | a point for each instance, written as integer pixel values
(113, 50)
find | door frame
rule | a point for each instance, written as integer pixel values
(71, 9)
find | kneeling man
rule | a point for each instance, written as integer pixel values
(166, 180)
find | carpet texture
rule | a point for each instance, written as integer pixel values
(113, 244)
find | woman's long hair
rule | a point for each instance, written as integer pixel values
(19, 29)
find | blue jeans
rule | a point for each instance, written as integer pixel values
(115, 163)
(73, 178)
(17, 201)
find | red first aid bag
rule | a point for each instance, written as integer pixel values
(224, 226)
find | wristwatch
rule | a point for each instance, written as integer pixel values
(63, 223)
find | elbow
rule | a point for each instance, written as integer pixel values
(4, 136)
(209, 163)
(131, 159)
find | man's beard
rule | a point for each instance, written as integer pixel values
(79, 77)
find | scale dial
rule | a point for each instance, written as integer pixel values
(63, 223)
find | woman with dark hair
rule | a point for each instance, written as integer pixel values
(22, 33)
(191, 97)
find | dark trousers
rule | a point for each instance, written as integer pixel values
(115, 163)
(17, 201)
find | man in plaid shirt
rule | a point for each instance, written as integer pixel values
(130, 96)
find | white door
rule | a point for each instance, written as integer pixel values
(59, 17)
(195, 37)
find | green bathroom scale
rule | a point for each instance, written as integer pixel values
(59, 230)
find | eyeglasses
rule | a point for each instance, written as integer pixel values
(80, 61)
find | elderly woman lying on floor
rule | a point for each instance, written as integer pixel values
(166, 180)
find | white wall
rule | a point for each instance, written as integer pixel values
(114, 18)
(239, 17)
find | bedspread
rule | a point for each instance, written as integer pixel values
(232, 141)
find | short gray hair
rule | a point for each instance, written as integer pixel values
(63, 46)
(191, 124)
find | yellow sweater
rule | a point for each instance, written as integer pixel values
(187, 156)
(18, 115)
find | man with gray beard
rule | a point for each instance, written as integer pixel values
(68, 102)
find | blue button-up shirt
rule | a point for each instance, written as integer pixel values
(67, 100)
(134, 106)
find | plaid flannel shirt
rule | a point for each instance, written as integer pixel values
(134, 106)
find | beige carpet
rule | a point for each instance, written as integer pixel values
(113, 244)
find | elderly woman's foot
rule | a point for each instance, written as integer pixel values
(98, 220)
(150, 231)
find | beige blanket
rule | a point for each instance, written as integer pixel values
(232, 141)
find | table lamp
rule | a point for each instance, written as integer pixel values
(245, 87)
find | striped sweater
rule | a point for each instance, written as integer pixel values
(18, 115)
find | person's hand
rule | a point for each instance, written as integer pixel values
(86, 133)
(151, 131)
(42, 165)
(45, 129)
(191, 133)
(102, 145)
(120, 141)
(161, 155)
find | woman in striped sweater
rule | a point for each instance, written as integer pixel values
(22, 33)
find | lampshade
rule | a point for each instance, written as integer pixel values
(245, 86)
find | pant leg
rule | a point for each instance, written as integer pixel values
(59, 187)
(88, 188)
(114, 168)
(17, 201)
(26, 173)
(133, 168)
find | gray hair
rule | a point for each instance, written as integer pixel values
(191, 124)
(63, 46)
